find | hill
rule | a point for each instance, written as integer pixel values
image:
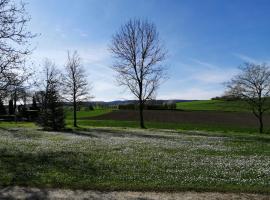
(215, 105)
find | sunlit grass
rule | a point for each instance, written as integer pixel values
(215, 105)
(87, 113)
(19, 124)
(134, 160)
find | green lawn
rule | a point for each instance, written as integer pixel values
(134, 160)
(17, 125)
(134, 124)
(83, 122)
(172, 126)
(89, 113)
(214, 105)
(86, 123)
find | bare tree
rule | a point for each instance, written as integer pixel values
(13, 40)
(76, 87)
(253, 86)
(17, 89)
(138, 53)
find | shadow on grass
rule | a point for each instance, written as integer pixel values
(48, 169)
(81, 133)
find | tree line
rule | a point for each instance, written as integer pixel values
(138, 56)
(17, 80)
(51, 89)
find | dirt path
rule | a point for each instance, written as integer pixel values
(35, 193)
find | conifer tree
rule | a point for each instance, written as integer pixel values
(52, 113)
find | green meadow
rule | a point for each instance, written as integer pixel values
(133, 159)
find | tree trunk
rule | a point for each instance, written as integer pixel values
(74, 114)
(141, 115)
(15, 107)
(261, 123)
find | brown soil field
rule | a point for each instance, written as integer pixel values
(196, 117)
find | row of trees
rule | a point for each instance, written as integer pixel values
(14, 48)
(69, 86)
(136, 47)
(52, 88)
(16, 77)
(138, 54)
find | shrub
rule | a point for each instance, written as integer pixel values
(91, 107)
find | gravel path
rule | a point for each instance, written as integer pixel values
(35, 193)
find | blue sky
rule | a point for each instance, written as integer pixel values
(206, 39)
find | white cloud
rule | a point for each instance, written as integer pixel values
(217, 76)
(246, 58)
(96, 61)
(80, 32)
(108, 92)
(58, 56)
(63, 33)
(194, 93)
(204, 64)
(93, 54)
(60, 32)
(209, 73)
(199, 80)
(198, 76)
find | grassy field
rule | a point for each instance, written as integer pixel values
(172, 126)
(110, 159)
(85, 121)
(88, 113)
(214, 105)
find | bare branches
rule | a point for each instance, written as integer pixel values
(75, 81)
(52, 75)
(13, 22)
(50, 80)
(51, 113)
(13, 40)
(138, 54)
(253, 85)
(76, 87)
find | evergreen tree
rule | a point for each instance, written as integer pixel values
(52, 112)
